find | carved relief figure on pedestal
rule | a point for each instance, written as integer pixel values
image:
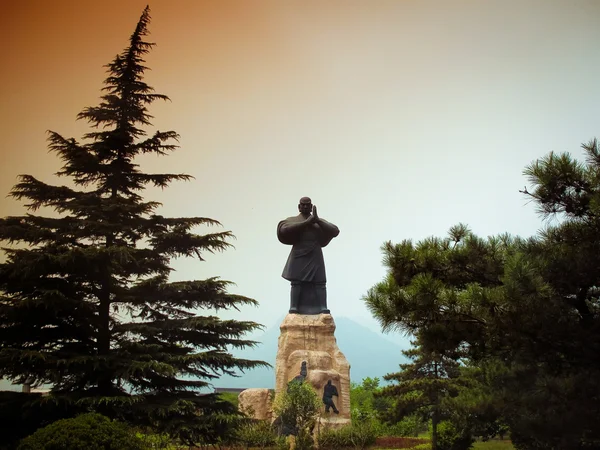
(307, 233)
(303, 374)
(328, 392)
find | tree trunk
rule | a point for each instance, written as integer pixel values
(434, 423)
(436, 415)
(105, 380)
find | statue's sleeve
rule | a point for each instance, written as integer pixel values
(287, 231)
(329, 232)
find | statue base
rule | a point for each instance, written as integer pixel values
(310, 338)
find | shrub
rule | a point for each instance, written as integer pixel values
(297, 410)
(411, 425)
(258, 433)
(155, 441)
(359, 436)
(362, 435)
(330, 439)
(426, 446)
(451, 438)
(304, 440)
(282, 443)
(85, 432)
(22, 414)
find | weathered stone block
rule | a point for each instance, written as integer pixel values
(256, 402)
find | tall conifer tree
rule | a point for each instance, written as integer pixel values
(526, 312)
(85, 299)
(421, 386)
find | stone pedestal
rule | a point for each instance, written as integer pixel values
(311, 338)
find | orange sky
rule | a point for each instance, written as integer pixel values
(399, 118)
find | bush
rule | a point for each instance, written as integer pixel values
(362, 435)
(451, 438)
(304, 440)
(297, 410)
(426, 446)
(411, 425)
(85, 432)
(258, 433)
(22, 414)
(330, 439)
(359, 436)
(155, 441)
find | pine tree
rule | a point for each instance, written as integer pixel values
(86, 304)
(422, 385)
(525, 311)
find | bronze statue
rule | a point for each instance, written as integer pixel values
(307, 233)
(328, 392)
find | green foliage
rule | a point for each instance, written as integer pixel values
(21, 414)
(365, 403)
(476, 406)
(426, 446)
(331, 439)
(304, 440)
(422, 386)
(86, 304)
(523, 313)
(493, 445)
(257, 433)
(85, 432)
(154, 441)
(282, 443)
(362, 434)
(369, 404)
(410, 425)
(297, 410)
(358, 436)
(229, 397)
(451, 438)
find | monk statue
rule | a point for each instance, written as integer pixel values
(307, 233)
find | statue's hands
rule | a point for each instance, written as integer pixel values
(314, 214)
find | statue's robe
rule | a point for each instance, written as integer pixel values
(305, 262)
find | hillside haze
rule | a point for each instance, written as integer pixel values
(369, 355)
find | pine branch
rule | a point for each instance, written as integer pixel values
(159, 180)
(155, 295)
(42, 194)
(182, 243)
(156, 144)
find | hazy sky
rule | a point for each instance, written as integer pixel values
(398, 118)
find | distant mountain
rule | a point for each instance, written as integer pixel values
(369, 355)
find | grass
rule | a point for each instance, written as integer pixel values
(493, 445)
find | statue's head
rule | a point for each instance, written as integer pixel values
(328, 382)
(305, 205)
(303, 369)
